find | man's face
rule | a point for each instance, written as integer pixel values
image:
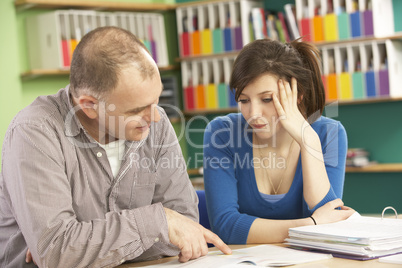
(128, 110)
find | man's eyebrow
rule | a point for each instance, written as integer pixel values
(139, 109)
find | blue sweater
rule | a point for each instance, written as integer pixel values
(233, 199)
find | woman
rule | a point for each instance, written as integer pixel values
(278, 164)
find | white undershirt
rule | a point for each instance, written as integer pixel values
(114, 151)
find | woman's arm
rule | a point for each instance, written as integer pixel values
(275, 231)
(317, 189)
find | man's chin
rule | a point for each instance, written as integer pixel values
(138, 136)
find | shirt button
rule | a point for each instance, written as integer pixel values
(157, 239)
(99, 154)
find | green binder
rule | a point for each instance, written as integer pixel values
(358, 85)
(343, 26)
(397, 7)
(222, 96)
(217, 41)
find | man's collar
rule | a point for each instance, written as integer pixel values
(72, 124)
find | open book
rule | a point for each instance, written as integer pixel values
(262, 255)
(358, 237)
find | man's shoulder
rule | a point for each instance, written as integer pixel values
(41, 110)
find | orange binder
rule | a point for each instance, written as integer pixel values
(73, 45)
(332, 87)
(196, 42)
(318, 29)
(200, 97)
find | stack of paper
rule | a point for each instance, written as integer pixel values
(358, 237)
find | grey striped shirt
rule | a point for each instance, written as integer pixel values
(58, 196)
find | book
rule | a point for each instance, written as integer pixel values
(358, 237)
(262, 256)
(290, 11)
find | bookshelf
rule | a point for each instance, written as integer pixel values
(31, 74)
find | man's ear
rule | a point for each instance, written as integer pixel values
(89, 106)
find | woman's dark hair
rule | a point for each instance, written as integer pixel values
(297, 59)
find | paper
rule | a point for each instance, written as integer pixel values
(397, 259)
(262, 256)
(358, 236)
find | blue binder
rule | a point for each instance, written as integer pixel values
(232, 101)
(355, 24)
(370, 84)
(227, 36)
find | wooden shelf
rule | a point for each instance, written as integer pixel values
(211, 111)
(48, 72)
(209, 56)
(357, 40)
(87, 4)
(368, 100)
(393, 167)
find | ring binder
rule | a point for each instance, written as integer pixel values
(385, 209)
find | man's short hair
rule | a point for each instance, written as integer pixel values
(99, 58)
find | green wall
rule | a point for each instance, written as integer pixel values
(10, 85)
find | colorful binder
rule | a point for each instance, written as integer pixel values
(238, 38)
(343, 26)
(231, 95)
(330, 27)
(358, 85)
(211, 96)
(355, 25)
(217, 40)
(222, 96)
(318, 29)
(367, 19)
(332, 87)
(383, 82)
(189, 98)
(206, 41)
(196, 42)
(200, 97)
(305, 29)
(371, 88)
(345, 86)
(227, 36)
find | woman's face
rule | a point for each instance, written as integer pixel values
(258, 108)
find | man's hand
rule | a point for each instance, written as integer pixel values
(28, 257)
(190, 237)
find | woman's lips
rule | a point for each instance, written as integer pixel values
(258, 126)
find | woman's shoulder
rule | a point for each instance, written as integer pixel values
(226, 121)
(325, 126)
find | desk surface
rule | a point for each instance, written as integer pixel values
(330, 263)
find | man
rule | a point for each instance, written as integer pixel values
(93, 176)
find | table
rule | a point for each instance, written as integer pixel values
(330, 263)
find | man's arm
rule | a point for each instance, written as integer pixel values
(40, 195)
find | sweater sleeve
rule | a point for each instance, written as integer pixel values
(334, 148)
(221, 184)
